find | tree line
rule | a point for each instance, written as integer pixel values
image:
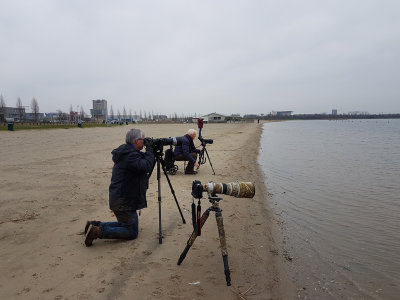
(80, 114)
(20, 109)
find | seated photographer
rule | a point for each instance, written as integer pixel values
(188, 152)
(127, 192)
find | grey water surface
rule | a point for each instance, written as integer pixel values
(335, 188)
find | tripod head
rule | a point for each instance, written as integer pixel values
(158, 157)
(214, 199)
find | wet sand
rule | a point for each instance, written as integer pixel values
(52, 181)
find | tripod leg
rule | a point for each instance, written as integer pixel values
(159, 203)
(172, 190)
(224, 251)
(209, 160)
(193, 237)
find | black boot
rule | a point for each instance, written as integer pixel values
(94, 232)
(190, 170)
(88, 223)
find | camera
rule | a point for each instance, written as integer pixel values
(157, 144)
(235, 189)
(205, 141)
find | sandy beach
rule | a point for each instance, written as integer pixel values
(52, 181)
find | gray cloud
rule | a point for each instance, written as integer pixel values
(202, 56)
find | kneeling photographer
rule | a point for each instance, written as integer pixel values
(188, 152)
(127, 192)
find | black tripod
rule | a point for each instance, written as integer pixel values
(202, 159)
(197, 230)
(158, 155)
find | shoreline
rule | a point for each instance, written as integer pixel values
(55, 180)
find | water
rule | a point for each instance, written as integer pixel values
(335, 187)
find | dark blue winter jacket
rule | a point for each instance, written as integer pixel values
(129, 181)
(186, 148)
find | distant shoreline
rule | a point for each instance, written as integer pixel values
(331, 117)
(44, 125)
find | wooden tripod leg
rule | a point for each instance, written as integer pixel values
(193, 237)
(224, 251)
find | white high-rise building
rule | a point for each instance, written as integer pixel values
(99, 111)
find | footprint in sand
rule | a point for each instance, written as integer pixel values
(80, 275)
(147, 252)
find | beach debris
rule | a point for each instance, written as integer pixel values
(194, 283)
(251, 252)
(242, 295)
(286, 255)
(25, 217)
(274, 251)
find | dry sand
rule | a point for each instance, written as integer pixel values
(52, 181)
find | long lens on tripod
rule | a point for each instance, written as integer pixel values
(235, 189)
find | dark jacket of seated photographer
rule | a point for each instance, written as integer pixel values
(186, 148)
(129, 181)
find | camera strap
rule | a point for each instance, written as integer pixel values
(198, 218)
(194, 220)
(202, 158)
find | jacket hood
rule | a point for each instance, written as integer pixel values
(120, 152)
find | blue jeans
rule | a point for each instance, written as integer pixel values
(127, 227)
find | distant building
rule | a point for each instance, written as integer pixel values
(233, 118)
(358, 113)
(214, 118)
(285, 113)
(137, 118)
(31, 117)
(251, 116)
(73, 116)
(13, 113)
(160, 117)
(334, 112)
(99, 111)
(52, 116)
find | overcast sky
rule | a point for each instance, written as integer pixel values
(202, 56)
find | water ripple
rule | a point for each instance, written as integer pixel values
(338, 186)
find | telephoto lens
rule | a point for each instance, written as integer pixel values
(175, 141)
(205, 141)
(235, 189)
